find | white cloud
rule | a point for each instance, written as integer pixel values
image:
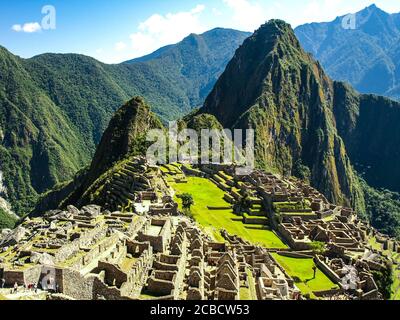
(216, 12)
(29, 27)
(160, 30)
(247, 15)
(120, 46)
(17, 27)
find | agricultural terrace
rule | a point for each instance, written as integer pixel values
(207, 194)
(302, 271)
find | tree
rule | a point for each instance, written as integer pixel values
(384, 280)
(187, 201)
(317, 247)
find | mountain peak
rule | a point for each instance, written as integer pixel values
(373, 7)
(262, 55)
(274, 87)
(275, 31)
(124, 132)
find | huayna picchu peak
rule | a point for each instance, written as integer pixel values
(228, 166)
(275, 87)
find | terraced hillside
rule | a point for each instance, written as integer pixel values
(214, 213)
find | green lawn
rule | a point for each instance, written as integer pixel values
(206, 193)
(303, 269)
(396, 286)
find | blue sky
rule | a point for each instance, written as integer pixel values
(118, 30)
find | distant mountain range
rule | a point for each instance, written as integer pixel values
(54, 108)
(367, 57)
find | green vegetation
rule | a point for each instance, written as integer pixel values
(248, 293)
(205, 194)
(301, 171)
(302, 271)
(383, 209)
(384, 280)
(187, 200)
(318, 247)
(6, 221)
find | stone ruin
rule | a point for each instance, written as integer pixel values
(139, 247)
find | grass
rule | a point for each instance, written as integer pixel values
(303, 269)
(249, 294)
(205, 193)
(305, 214)
(396, 286)
(127, 264)
(374, 244)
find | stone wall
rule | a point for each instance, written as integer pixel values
(77, 286)
(86, 239)
(327, 270)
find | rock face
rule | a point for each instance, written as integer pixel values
(369, 127)
(42, 258)
(273, 86)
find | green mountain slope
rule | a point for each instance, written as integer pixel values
(369, 127)
(368, 57)
(273, 86)
(54, 108)
(195, 64)
(38, 142)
